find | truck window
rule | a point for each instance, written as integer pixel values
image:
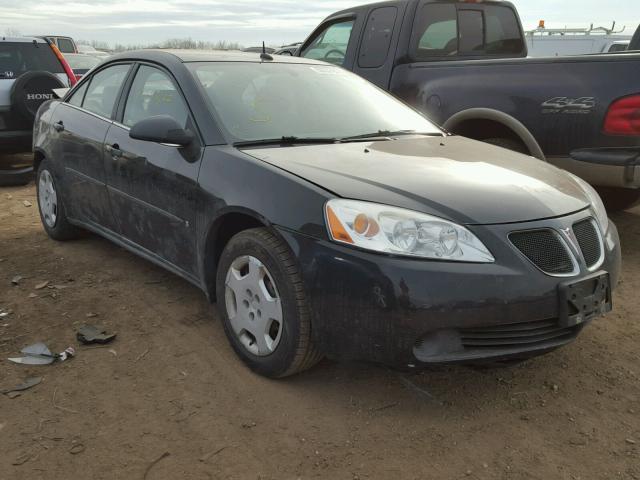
(330, 45)
(471, 31)
(438, 29)
(377, 37)
(65, 45)
(444, 29)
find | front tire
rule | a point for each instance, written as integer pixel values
(51, 207)
(265, 312)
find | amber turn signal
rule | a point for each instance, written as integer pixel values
(336, 228)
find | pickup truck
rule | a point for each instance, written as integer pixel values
(464, 65)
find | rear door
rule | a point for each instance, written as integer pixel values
(81, 124)
(152, 186)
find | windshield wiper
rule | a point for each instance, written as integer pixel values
(287, 141)
(386, 134)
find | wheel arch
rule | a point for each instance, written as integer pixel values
(228, 223)
(482, 123)
(38, 157)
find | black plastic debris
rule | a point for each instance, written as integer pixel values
(88, 334)
(39, 354)
(28, 383)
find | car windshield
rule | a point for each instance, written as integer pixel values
(257, 101)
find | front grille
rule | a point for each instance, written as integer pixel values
(516, 335)
(545, 250)
(589, 240)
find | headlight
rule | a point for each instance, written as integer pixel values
(596, 203)
(402, 232)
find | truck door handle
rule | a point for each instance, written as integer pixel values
(58, 127)
(114, 150)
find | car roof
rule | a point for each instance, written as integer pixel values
(22, 39)
(188, 56)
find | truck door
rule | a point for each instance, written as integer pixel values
(377, 49)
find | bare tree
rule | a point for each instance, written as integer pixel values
(12, 32)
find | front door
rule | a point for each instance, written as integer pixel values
(80, 127)
(153, 187)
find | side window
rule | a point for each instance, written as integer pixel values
(331, 43)
(436, 31)
(377, 37)
(65, 45)
(471, 31)
(103, 90)
(153, 93)
(444, 29)
(503, 34)
(78, 95)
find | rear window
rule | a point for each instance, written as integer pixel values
(19, 58)
(448, 30)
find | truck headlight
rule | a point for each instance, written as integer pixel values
(393, 230)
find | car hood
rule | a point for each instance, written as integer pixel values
(454, 178)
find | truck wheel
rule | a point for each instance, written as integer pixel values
(50, 205)
(617, 199)
(264, 308)
(509, 144)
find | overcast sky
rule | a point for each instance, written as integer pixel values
(249, 21)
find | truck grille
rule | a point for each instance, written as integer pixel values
(545, 250)
(589, 240)
(515, 335)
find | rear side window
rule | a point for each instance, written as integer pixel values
(471, 31)
(103, 90)
(445, 29)
(377, 37)
(19, 58)
(330, 45)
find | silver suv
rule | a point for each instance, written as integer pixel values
(30, 68)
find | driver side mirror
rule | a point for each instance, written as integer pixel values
(161, 129)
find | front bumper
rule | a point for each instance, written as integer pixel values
(401, 311)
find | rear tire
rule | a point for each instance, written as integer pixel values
(257, 269)
(509, 144)
(617, 199)
(51, 205)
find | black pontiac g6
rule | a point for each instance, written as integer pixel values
(324, 216)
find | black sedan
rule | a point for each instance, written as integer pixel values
(323, 215)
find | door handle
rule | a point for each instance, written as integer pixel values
(115, 151)
(58, 127)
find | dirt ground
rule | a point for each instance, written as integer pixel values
(169, 400)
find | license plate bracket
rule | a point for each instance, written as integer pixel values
(584, 300)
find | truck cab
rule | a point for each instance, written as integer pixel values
(366, 39)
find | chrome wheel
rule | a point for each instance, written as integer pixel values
(48, 199)
(253, 306)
